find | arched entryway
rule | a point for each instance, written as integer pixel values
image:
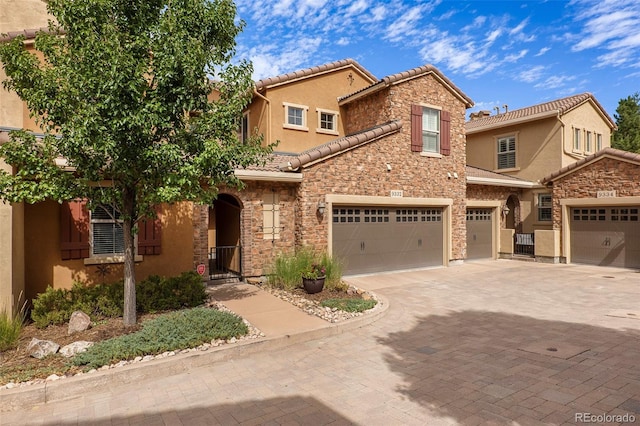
(225, 259)
(512, 218)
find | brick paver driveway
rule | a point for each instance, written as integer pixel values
(501, 342)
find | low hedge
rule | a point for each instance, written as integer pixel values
(153, 294)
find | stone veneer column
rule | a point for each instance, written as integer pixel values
(201, 238)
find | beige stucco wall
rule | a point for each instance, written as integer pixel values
(17, 15)
(538, 148)
(547, 244)
(321, 91)
(44, 266)
(586, 118)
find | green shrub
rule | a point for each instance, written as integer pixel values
(106, 300)
(286, 270)
(349, 305)
(174, 331)
(11, 327)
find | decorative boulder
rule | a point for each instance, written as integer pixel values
(75, 348)
(79, 322)
(42, 348)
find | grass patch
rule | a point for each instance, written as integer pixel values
(11, 327)
(349, 305)
(178, 330)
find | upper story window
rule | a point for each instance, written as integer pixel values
(598, 142)
(244, 129)
(327, 121)
(544, 207)
(107, 236)
(588, 143)
(430, 130)
(507, 152)
(576, 139)
(295, 116)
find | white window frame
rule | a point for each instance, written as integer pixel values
(92, 234)
(507, 152)
(576, 139)
(598, 141)
(428, 133)
(334, 114)
(305, 110)
(543, 207)
(588, 142)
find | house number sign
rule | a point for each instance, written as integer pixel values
(606, 194)
(397, 194)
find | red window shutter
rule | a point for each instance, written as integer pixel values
(445, 133)
(74, 230)
(149, 237)
(416, 128)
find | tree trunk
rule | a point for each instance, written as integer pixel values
(129, 316)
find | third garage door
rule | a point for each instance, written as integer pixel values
(606, 236)
(375, 239)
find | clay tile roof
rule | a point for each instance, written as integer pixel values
(296, 75)
(543, 110)
(29, 34)
(272, 163)
(606, 152)
(482, 173)
(341, 144)
(407, 75)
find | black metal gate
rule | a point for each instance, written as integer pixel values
(225, 262)
(524, 244)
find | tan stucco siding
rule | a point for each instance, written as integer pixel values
(44, 266)
(314, 93)
(586, 119)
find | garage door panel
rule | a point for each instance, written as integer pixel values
(479, 234)
(384, 239)
(606, 236)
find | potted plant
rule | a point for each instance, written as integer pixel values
(313, 278)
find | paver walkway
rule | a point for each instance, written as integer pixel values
(499, 342)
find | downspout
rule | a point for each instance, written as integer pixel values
(255, 91)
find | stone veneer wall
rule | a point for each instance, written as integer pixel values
(363, 171)
(257, 252)
(492, 193)
(607, 174)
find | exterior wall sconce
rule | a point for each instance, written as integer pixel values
(505, 210)
(321, 208)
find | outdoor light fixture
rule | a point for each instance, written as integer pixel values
(505, 210)
(321, 208)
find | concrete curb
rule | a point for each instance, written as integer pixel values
(77, 386)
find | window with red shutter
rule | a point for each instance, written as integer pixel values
(416, 128)
(74, 230)
(445, 133)
(149, 236)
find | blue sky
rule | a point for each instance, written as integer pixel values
(518, 53)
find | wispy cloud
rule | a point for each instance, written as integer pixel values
(554, 82)
(611, 25)
(532, 74)
(542, 51)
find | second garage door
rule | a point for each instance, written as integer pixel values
(607, 236)
(479, 234)
(375, 239)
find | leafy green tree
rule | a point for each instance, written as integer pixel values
(121, 93)
(627, 116)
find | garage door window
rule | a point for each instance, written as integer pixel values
(346, 215)
(589, 215)
(624, 215)
(414, 215)
(376, 215)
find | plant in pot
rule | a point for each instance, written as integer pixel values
(313, 278)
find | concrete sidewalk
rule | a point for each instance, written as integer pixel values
(282, 323)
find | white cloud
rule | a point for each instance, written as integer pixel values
(532, 74)
(542, 51)
(406, 25)
(516, 56)
(554, 82)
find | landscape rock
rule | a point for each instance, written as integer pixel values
(75, 348)
(79, 322)
(41, 348)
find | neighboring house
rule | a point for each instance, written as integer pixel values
(596, 209)
(532, 142)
